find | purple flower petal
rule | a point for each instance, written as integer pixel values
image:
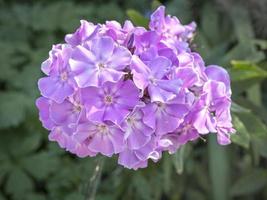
(111, 102)
(102, 138)
(43, 105)
(85, 31)
(120, 58)
(217, 73)
(102, 48)
(55, 89)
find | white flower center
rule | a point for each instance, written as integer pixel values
(152, 80)
(102, 128)
(64, 76)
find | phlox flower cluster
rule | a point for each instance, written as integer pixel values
(130, 91)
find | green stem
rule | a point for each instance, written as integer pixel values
(219, 169)
(94, 180)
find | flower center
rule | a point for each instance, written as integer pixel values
(77, 108)
(64, 76)
(161, 106)
(101, 66)
(213, 113)
(146, 46)
(102, 128)
(108, 99)
(186, 128)
(130, 120)
(152, 80)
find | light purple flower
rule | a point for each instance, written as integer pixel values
(101, 137)
(170, 54)
(205, 109)
(86, 31)
(62, 135)
(81, 150)
(170, 27)
(186, 131)
(51, 63)
(137, 133)
(224, 125)
(169, 142)
(217, 73)
(153, 77)
(99, 61)
(164, 117)
(188, 75)
(131, 91)
(113, 101)
(118, 33)
(59, 84)
(146, 41)
(43, 105)
(68, 112)
(134, 159)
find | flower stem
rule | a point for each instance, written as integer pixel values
(219, 169)
(94, 180)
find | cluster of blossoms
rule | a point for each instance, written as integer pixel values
(125, 90)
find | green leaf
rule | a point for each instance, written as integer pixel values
(261, 43)
(202, 177)
(34, 196)
(5, 168)
(254, 94)
(1, 197)
(243, 51)
(18, 142)
(253, 124)
(18, 183)
(27, 143)
(260, 144)
(167, 173)
(74, 196)
(242, 23)
(102, 13)
(137, 18)
(243, 70)
(178, 159)
(193, 194)
(250, 183)
(238, 108)
(27, 80)
(260, 111)
(241, 137)
(182, 9)
(210, 24)
(13, 107)
(41, 165)
(142, 187)
(257, 130)
(155, 4)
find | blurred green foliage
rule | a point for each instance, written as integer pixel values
(31, 168)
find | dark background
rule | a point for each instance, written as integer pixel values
(231, 33)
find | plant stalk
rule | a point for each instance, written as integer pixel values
(94, 180)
